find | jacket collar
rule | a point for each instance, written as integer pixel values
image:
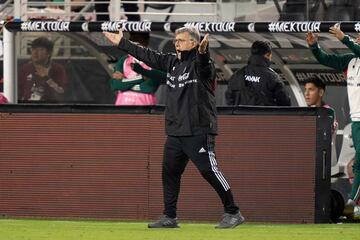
(259, 60)
(186, 55)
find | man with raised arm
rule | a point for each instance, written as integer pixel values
(349, 64)
(190, 119)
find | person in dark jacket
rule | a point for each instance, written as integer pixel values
(190, 119)
(260, 78)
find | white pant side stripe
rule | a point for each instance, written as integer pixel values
(356, 198)
(218, 174)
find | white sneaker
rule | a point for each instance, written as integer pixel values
(349, 209)
(350, 202)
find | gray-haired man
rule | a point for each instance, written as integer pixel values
(190, 119)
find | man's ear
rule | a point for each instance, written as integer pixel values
(321, 92)
(267, 55)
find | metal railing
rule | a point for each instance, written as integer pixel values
(85, 10)
(6, 9)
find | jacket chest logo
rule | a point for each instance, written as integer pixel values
(252, 78)
(183, 77)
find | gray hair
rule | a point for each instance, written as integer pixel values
(193, 32)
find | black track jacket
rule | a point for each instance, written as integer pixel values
(190, 99)
(263, 79)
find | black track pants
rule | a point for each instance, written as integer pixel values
(200, 149)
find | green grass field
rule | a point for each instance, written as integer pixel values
(81, 230)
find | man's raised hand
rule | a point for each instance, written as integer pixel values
(115, 38)
(204, 43)
(337, 32)
(311, 38)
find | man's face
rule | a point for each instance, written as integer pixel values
(39, 55)
(183, 42)
(313, 95)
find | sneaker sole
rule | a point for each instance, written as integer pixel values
(233, 226)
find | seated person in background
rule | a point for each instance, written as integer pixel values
(349, 169)
(42, 79)
(257, 83)
(135, 81)
(3, 99)
(314, 93)
(1, 81)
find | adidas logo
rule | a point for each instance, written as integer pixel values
(202, 150)
(233, 220)
(168, 222)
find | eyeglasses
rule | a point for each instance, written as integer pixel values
(181, 41)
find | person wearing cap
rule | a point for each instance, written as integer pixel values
(190, 120)
(41, 79)
(349, 64)
(260, 77)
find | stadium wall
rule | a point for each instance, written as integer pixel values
(104, 162)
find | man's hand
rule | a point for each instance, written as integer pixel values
(115, 38)
(337, 32)
(358, 39)
(118, 75)
(311, 38)
(204, 43)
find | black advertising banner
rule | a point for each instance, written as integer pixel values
(147, 26)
